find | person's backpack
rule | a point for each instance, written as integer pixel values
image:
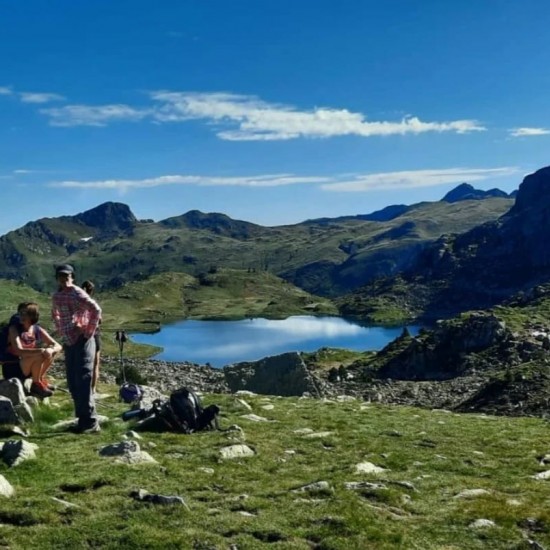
(129, 393)
(184, 413)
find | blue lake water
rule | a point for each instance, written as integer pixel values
(223, 342)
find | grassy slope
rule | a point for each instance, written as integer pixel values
(417, 446)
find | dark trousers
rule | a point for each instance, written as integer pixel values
(79, 363)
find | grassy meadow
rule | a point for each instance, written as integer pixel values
(429, 457)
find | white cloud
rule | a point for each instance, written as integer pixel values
(39, 97)
(5, 90)
(525, 132)
(90, 115)
(257, 120)
(416, 178)
(248, 118)
(269, 180)
(340, 183)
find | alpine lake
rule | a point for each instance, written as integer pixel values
(221, 343)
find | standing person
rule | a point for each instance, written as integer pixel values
(35, 348)
(89, 287)
(76, 317)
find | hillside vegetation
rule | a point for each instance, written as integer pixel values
(327, 257)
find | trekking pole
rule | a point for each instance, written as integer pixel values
(120, 337)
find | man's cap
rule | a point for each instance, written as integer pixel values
(64, 268)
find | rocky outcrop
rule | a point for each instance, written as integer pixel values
(443, 352)
(284, 374)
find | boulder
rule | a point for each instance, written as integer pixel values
(13, 390)
(14, 452)
(6, 490)
(8, 414)
(284, 374)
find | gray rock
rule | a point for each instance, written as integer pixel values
(236, 451)
(317, 487)
(24, 412)
(8, 415)
(482, 524)
(148, 396)
(6, 490)
(358, 485)
(16, 451)
(146, 496)
(368, 468)
(472, 493)
(120, 449)
(13, 390)
(284, 374)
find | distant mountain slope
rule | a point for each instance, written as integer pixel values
(475, 269)
(326, 257)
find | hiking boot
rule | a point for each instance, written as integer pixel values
(48, 384)
(89, 429)
(39, 389)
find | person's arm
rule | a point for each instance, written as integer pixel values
(52, 344)
(92, 307)
(17, 346)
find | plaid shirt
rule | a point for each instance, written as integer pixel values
(74, 313)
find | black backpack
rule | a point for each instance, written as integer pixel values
(184, 413)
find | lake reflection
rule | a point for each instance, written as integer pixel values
(223, 342)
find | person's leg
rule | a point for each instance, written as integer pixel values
(83, 397)
(46, 364)
(31, 365)
(95, 374)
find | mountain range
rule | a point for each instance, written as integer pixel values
(331, 257)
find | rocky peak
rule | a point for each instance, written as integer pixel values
(109, 216)
(465, 191)
(533, 193)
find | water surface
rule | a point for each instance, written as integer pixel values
(223, 342)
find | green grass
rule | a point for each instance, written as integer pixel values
(439, 453)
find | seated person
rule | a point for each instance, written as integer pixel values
(35, 348)
(10, 362)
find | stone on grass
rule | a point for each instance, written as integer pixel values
(472, 493)
(207, 470)
(236, 451)
(146, 496)
(133, 435)
(268, 407)
(317, 435)
(344, 398)
(13, 390)
(245, 393)
(243, 404)
(8, 415)
(254, 418)
(482, 524)
(24, 412)
(302, 431)
(64, 425)
(358, 485)
(544, 459)
(16, 451)
(312, 488)
(542, 475)
(368, 468)
(6, 490)
(127, 452)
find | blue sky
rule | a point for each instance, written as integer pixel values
(271, 112)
